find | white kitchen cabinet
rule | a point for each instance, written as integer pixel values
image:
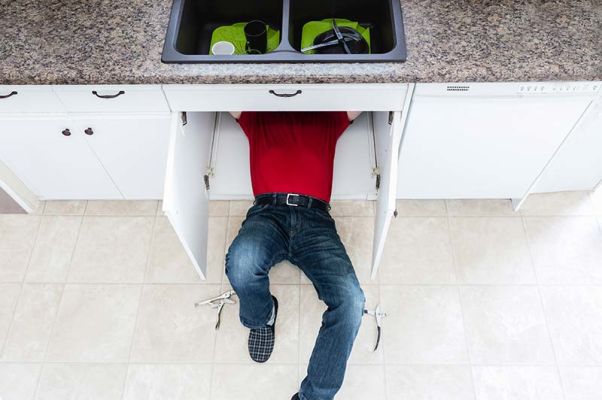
(119, 136)
(53, 159)
(578, 163)
(78, 156)
(485, 140)
(131, 148)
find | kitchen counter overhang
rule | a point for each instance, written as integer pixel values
(447, 41)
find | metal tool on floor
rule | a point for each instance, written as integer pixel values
(218, 302)
(378, 316)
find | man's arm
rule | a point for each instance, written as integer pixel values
(350, 114)
(353, 115)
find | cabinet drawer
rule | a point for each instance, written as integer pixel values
(29, 99)
(266, 97)
(112, 98)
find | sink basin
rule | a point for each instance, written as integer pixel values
(193, 21)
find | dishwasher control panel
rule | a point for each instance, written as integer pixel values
(560, 87)
(507, 89)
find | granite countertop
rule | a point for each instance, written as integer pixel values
(118, 41)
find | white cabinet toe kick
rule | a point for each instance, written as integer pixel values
(413, 141)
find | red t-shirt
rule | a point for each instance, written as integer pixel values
(293, 152)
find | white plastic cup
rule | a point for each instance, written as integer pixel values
(222, 48)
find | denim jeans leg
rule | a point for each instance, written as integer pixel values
(319, 252)
(258, 245)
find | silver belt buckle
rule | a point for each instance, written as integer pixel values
(287, 197)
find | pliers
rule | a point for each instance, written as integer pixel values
(378, 316)
(218, 302)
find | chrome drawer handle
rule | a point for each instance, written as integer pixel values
(6, 96)
(107, 96)
(285, 94)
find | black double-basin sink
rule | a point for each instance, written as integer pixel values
(193, 21)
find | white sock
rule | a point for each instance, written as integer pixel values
(273, 317)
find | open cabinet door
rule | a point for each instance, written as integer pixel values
(387, 132)
(186, 201)
(16, 190)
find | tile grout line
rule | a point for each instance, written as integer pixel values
(221, 289)
(60, 302)
(77, 240)
(21, 288)
(138, 306)
(372, 285)
(158, 208)
(543, 310)
(225, 242)
(150, 250)
(289, 363)
(451, 242)
(384, 352)
(461, 302)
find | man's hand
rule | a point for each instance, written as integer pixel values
(350, 114)
(353, 115)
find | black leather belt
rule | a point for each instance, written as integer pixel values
(291, 199)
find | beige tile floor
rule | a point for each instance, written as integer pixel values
(96, 302)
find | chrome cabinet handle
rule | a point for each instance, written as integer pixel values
(107, 96)
(66, 132)
(89, 132)
(285, 94)
(6, 96)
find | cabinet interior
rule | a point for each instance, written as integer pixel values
(228, 173)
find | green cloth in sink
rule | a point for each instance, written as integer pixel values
(314, 28)
(235, 34)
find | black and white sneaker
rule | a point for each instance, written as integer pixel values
(261, 340)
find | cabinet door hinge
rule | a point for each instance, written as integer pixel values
(391, 117)
(376, 173)
(184, 118)
(206, 178)
(395, 213)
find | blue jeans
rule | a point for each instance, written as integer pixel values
(306, 237)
